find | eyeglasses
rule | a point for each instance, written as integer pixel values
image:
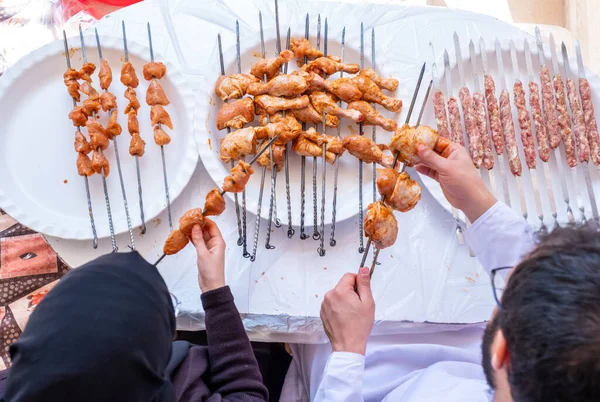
(498, 276)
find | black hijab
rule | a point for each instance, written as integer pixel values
(103, 333)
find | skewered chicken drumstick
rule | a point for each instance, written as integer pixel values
(386, 83)
(324, 102)
(302, 48)
(271, 67)
(334, 143)
(310, 115)
(372, 118)
(105, 75)
(234, 86)
(326, 66)
(278, 160)
(406, 140)
(154, 69)
(380, 225)
(238, 144)
(158, 115)
(214, 204)
(288, 127)
(273, 104)
(128, 75)
(237, 180)
(155, 95)
(367, 151)
(282, 85)
(400, 191)
(236, 114)
(305, 147)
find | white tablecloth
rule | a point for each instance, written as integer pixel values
(424, 278)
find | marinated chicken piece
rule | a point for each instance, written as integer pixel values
(158, 115)
(190, 219)
(128, 76)
(131, 96)
(86, 70)
(154, 69)
(372, 118)
(87, 89)
(105, 75)
(234, 86)
(344, 88)
(160, 137)
(155, 95)
(282, 85)
(380, 225)
(137, 146)
(84, 165)
(406, 139)
(214, 204)
(273, 104)
(175, 242)
(310, 115)
(133, 126)
(302, 48)
(264, 159)
(386, 83)
(289, 128)
(78, 116)
(237, 180)
(324, 102)
(98, 137)
(366, 150)
(236, 114)
(400, 191)
(108, 101)
(91, 106)
(113, 128)
(237, 144)
(271, 67)
(99, 163)
(330, 65)
(305, 147)
(81, 143)
(372, 93)
(71, 76)
(334, 144)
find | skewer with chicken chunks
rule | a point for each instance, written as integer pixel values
(82, 147)
(286, 162)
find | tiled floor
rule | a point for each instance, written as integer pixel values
(29, 268)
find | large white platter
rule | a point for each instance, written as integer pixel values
(577, 194)
(39, 184)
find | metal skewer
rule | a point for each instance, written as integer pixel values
(321, 248)
(162, 147)
(546, 169)
(374, 128)
(290, 231)
(377, 250)
(532, 171)
(332, 241)
(303, 236)
(567, 72)
(99, 150)
(258, 155)
(397, 155)
(131, 241)
(556, 162)
(361, 247)
(316, 235)
(87, 186)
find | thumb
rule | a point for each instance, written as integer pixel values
(198, 240)
(363, 284)
(431, 159)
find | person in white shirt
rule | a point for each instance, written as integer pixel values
(542, 343)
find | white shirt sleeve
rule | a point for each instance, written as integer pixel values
(342, 378)
(500, 237)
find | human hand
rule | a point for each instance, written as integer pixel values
(210, 248)
(460, 182)
(348, 315)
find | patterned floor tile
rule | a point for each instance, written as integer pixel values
(26, 255)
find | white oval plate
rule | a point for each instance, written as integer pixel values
(39, 184)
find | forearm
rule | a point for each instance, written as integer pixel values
(233, 367)
(342, 378)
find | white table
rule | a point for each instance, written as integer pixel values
(424, 278)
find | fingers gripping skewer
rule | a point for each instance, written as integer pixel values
(332, 241)
(361, 247)
(87, 186)
(162, 147)
(99, 150)
(303, 236)
(124, 193)
(316, 235)
(290, 231)
(321, 248)
(397, 155)
(258, 155)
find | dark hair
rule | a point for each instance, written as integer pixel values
(550, 318)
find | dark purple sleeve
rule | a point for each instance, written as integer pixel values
(234, 372)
